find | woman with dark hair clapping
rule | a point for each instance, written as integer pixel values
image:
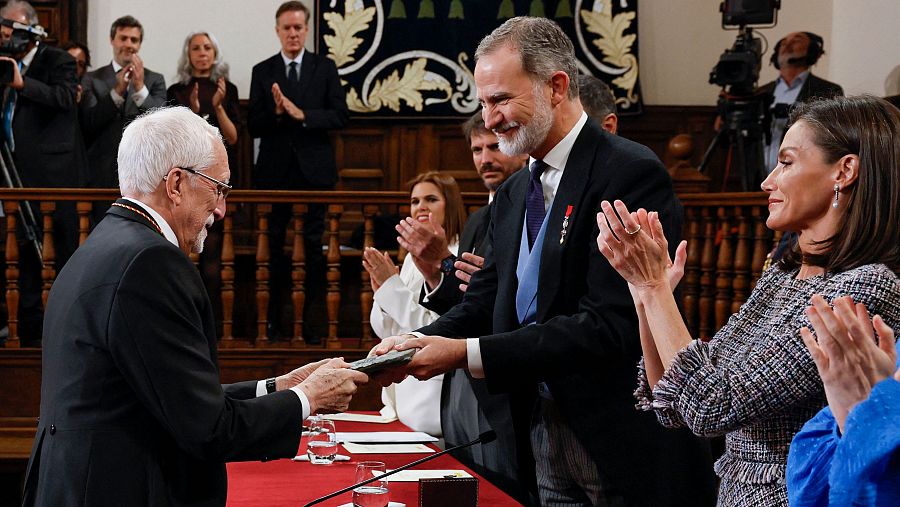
(836, 184)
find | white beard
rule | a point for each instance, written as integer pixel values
(201, 236)
(531, 135)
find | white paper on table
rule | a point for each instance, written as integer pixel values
(366, 418)
(384, 437)
(415, 475)
(386, 448)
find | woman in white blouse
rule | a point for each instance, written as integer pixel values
(434, 200)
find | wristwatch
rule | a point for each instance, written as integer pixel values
(270, 385)
(447, 264)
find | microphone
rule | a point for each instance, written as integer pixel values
(484, 438)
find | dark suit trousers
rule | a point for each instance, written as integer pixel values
(313, 228)
(65, 241)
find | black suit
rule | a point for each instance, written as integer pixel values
(813, 87)
(132, 412)
(296, 155)
(584, 344)
(468, 409)
(49, 152)
(103, 121)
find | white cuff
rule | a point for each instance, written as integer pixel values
(473, 357)
(140, 96)
(117, 99)
(429, 293)
(304, 401)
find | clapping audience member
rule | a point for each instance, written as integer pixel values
(848, 453)
(837, 184)
(203, 86)
(113, 96)
(435, 202)
(296, 98)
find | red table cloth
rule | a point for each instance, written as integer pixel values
(286, 482)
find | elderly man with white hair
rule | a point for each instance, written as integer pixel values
(132, 412)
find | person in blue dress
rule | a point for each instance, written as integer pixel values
(849, 453)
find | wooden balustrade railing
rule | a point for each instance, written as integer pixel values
(726, 234)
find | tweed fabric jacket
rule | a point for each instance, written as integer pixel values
(756, 383)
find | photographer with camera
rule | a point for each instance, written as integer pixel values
(793, 56)
(39, 129)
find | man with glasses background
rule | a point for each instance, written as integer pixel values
(132, 412)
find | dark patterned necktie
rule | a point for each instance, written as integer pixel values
(534, 202)
(293, 78)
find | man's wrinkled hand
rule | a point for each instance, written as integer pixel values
(331, 386)
(436, 355)
(289, 380)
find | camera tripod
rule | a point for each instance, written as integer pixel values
(27, 221)
(743, 130)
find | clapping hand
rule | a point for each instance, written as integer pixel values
(636, 247)
(219, 96)
(380, 267)
(852, 353)
(284, 104)
(194, 99)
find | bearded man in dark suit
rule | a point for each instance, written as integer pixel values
(554, 326)
(132, 411)
(296, 97)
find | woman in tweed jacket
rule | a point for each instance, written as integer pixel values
(837, 184)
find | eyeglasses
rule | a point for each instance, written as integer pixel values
(222, 188)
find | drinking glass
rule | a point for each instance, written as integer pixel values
(373, 494)
(321, 448)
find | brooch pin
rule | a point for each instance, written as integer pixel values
(565, 225)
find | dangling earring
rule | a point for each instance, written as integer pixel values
(837, 190)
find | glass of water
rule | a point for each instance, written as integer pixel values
(373, 494)
(322, 446)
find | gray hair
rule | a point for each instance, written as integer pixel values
(159, 140)
(596, 97)
(219, 67)
(542, 46)
(20, 6)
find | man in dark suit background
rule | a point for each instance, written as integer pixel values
(793, 56)
(295, 99)
(40, 126)
(112, 96)
(551, 317)
(132, 412)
